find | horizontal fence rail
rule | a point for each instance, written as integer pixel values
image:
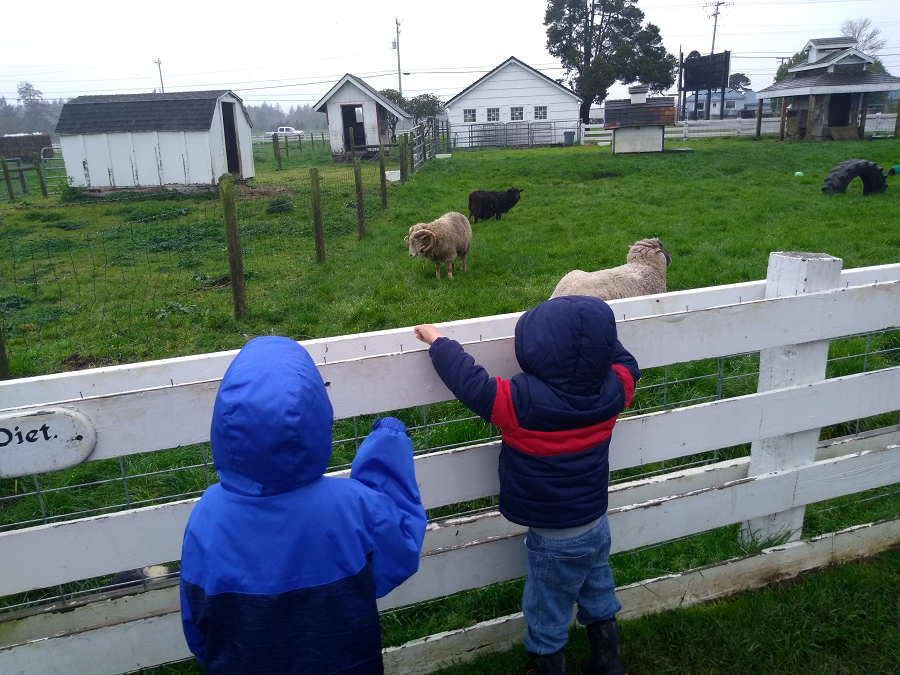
(155, 406)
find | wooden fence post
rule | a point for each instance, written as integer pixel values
(276, 150)
(404, 156)
(864, 106)
(759, 111)
(4, 360)
(412, 152)
(6, 177)
(40, 172)
(318, 232)
(360, 207)
(312, 137)
(300, 143)
(287, 145)
(783, 117)
(233, 244)
(383, 177)
(790, 274)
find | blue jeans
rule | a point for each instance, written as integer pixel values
(562, 572)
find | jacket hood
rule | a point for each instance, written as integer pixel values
(568, 343)
(271, 423)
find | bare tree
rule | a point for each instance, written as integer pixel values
(867, 37)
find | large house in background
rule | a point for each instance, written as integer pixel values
(152, 140)
(735, 101)
(512, 95)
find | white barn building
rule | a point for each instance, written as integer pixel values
(154, 140)
(353, 104)
(514, 105)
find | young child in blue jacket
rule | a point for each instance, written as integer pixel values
(280, 564)
(556, 419)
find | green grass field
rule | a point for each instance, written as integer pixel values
(720, 210)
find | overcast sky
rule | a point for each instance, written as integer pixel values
(293, 52)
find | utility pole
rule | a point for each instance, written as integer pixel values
(717, 5)
(158, 62)
(396, 46)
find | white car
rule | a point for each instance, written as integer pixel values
(285, 132)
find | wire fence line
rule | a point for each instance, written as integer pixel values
(152, 478)
(74, 295)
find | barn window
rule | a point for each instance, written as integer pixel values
(729, 104)
(493, 114)
(517, 114)
(701, 106)
(540, 112)
(468, 114)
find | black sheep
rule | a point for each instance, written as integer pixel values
(486, 203)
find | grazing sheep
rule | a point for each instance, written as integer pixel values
(442, 240)
(486, 203)
(643, 274)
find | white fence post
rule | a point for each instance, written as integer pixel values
(790, 273)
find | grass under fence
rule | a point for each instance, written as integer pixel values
(720, 210)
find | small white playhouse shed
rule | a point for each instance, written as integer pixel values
(514, 94)
(353, 104)
(153, 140)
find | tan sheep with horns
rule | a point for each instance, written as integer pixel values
(443, 240)
(643, 274)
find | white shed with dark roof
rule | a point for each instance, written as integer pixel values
(153, 140)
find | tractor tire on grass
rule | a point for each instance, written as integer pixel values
(872, 176)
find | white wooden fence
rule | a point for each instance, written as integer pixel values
(805, 302)
(595, 134)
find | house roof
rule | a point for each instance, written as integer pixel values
(511, 60)
(623, 113)
(175, 111)
(831, 43)
(829, 59)
(831, 83)
(361, 84)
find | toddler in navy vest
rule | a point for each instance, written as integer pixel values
(556, 418)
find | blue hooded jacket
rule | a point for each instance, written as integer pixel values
(281, 565)
(557, 416)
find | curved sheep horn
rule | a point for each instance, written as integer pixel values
(423, 234)
(665, 253)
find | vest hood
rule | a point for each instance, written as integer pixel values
(568, 343)
(272, 420)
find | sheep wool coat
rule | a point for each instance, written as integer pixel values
(281, 565)
(557, 416)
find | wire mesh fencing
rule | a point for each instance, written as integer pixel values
(135, 481)
(121, 280)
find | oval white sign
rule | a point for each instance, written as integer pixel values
(44, 440)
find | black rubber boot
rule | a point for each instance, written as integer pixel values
(605, 658)
(548, 664)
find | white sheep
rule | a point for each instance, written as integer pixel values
(443, 240)
(643, 274)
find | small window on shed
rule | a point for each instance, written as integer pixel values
(493, 114)
(517, 114)
(468, 114)
(729, 104)
(540, 112)
(701, 105)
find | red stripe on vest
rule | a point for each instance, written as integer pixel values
(544, 443)
(627, 381)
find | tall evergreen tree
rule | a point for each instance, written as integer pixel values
(600, 42)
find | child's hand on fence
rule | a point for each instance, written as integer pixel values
(427, 333)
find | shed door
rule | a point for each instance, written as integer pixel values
(839, 110)
(232, 156)
(352, 118)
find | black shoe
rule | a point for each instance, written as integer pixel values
(548, 664)
(605, 658)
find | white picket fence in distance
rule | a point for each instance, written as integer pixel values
(595, 134)
(805, 301)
